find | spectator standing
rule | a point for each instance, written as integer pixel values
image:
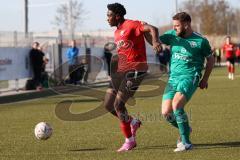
(72, 54)
(37, 64)
(108, 57)
(218, 56)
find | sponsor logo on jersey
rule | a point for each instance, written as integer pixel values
(182, 57)
(124, 44)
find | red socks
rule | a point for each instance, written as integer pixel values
(231, 69)
(126, 129)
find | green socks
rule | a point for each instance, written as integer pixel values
(183, 126)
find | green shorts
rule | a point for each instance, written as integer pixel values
(186, 85)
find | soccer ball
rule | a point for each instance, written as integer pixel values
(43, 131)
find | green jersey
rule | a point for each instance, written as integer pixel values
(187, 54)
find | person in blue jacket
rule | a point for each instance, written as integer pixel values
(72, 54)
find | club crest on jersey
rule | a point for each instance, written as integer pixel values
(183, 50)
(122, 33)
(193, 44)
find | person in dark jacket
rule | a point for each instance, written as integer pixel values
(37, 63)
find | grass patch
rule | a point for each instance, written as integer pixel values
(213, 113)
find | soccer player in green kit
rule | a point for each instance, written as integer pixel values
(188, 53)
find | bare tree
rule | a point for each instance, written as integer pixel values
(69, 16)
(236, 20)
(208, 20)
(223, 13)
(192, 7)
(213, 16)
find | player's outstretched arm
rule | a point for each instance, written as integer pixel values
(209, 66)
(148, 37)
(153, 39)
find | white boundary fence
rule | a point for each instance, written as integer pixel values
(14, 63)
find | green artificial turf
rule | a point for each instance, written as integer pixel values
(213, 113)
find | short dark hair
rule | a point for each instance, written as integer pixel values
(117, 8)
(36, 43)
(182, 17)
(228, 37)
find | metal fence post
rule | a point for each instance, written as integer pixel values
(59, 56)
(17, 85)
(15, 39)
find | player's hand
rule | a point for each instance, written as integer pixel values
(203, 84)
(157, 47)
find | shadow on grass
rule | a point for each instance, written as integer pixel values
(196, 146)
(85, 100)
(156, 147)
(75, 100)
(87, 149)
(217, 145)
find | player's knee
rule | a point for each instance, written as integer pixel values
(169, 117)
(119, 105)
(110, 91)
(109, 100)
(166, 109)
(179, 102)
(165, 113)
(108, 106)
(177, 105)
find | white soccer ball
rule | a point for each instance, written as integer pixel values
(43, 131)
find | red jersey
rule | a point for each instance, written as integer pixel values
(228, 48)
(131, 46)
(238, 52)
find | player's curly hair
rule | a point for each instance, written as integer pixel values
(117, 8)
(182, 17)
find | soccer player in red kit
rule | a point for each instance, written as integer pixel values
(228, 48)
(131, 68)
(238, 54)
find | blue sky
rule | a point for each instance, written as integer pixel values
(42, 12)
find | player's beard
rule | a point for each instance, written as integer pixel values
(182, 33)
